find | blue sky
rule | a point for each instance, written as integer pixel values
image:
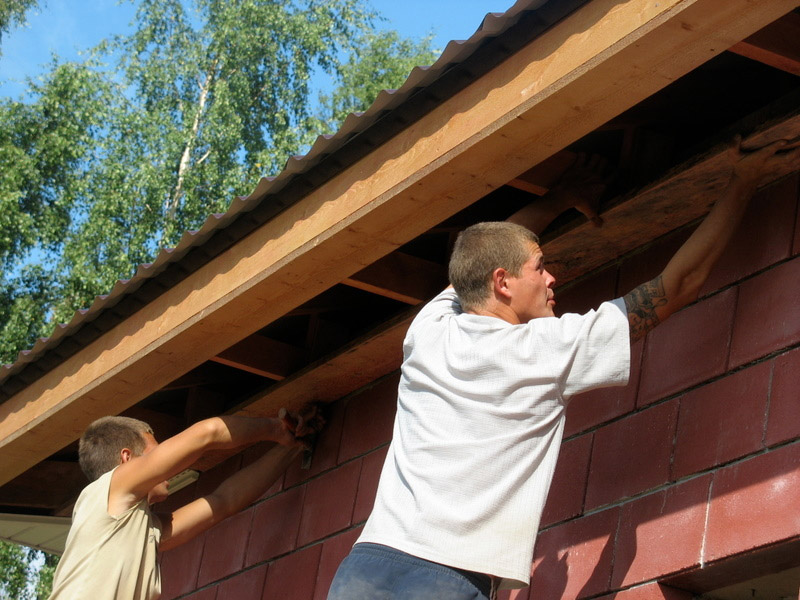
(68, 26)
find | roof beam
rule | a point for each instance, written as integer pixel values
(263, 356)
(401, 277)
(776, 45)
(543, 176)
(586, 69)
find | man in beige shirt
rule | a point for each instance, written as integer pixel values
(113, 544)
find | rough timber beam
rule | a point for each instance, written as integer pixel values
(589, 67)
(680, 197)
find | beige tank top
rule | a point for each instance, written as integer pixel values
(109, 558)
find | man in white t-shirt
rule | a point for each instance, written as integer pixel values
(487, 373)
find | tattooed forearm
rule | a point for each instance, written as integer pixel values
(641, 304)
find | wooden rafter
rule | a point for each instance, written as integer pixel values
(541, 178)
(401, 277)
(589, 67)
(776, 45)
(263, 356)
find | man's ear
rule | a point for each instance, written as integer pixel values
(500, 283)
(125, 455)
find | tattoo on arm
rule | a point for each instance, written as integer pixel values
(641, 304)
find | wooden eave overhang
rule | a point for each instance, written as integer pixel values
(582, 71)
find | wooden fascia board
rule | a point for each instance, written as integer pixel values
(602, 59)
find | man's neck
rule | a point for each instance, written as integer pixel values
(498, 310)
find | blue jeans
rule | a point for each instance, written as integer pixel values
(375, 572)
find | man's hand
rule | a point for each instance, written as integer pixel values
(307, 422)
(582, 185)
(751, 167)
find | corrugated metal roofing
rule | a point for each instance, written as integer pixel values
(461, 62)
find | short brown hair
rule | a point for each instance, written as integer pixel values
(101, 443)
(482, 248)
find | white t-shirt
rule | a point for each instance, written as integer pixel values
(478, 428)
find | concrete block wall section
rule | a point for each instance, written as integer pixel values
(288, 544)
(694, 461)
(701, 464)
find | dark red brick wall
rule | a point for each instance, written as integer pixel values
(694, 462)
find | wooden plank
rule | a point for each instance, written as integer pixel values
(401, 277)
(684, 195)
(543, 176)
(776, 45)
(364, 360)
(588, 68)
(48, 485)
(263, 356)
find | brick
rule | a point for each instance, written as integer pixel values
(796, 246)
(333, 552)
(763, 238)
(179, 568)
(210, 480)
(783, 423)
(328, 503)
(565, 498)
(371, 467)
(722, 421)
(225, 545)
(326, 450)
(650, 591)
(688, 348)
(588, 294)
(672, 519)
(369, 419)
(754, 503)
(573, 560)
(177, 499)
(632, 455)
(768, 313)
(645, 265)
(276, 522)
(293, 577)
(248, 585)
(590, 409)
(206, 594)
(521, 594)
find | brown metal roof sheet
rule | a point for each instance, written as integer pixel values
(461, 62)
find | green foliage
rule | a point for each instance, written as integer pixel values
(382, 61)
(19, 578)
(12, 12)
(111, 160)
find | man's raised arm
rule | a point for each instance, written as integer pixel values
(680, 282)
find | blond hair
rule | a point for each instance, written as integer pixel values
(482, 248)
